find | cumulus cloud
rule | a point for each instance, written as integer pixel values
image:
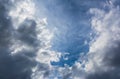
(102, 60)
(24, 42)
(11, 66)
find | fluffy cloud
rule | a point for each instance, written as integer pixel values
(24, 42)
(11, 66)
(104, 56)
(102, 60)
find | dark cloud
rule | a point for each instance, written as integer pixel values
(15, 67)
(19, 65)
(5, 25)
(67, 76)
(111, 74)
(112, 57)
(26, 32)
(11, 67)
(111, 61)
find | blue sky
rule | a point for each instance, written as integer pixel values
(59, 39)
(72, 20)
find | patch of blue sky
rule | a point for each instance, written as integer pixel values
(72, 20)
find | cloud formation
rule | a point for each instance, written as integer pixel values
(102, 60)
(105, 49)
(24, 42)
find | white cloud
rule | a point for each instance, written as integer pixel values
(30, 30)
(106, 26)
(105, 46)
(102, 59)
(21, 10)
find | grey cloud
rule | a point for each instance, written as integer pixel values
(26, 32)
(111, 60)
(112, 57)
(11, 67)
(19, 65)
(5, 25)
(15, 67)
(112, 74)
(108, 52)
(67, 76)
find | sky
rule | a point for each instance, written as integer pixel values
(59, 39)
